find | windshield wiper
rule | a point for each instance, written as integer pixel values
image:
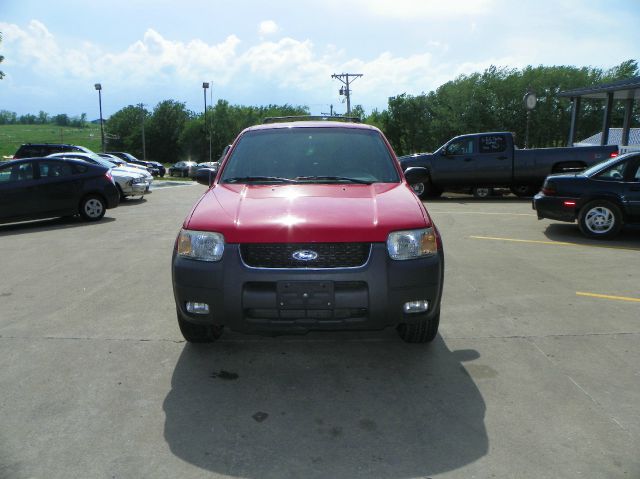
(323, 179)
(259, 179)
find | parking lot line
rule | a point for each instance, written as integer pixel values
(554, 243)
(608, 296)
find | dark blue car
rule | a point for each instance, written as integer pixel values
(602, 198)
(34, 188)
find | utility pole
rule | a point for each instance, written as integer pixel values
(144, 143)
(344, 78)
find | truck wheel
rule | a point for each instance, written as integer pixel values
(482, 192)
(522, 191)
(426, 190)
(422, 331)
(199, 333)
(600, 219)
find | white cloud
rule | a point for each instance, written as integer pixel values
(268, 27)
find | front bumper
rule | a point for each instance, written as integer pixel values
(137, 189)
(554, 208)
(365, 298)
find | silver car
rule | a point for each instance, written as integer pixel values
(129, 181)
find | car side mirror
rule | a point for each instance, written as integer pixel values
(416, 174)
(206, 176)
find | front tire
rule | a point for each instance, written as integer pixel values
(421, 331)
(198, 333)
(600, 219)
(426, 190)
(92, 208)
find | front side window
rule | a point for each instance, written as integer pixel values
(312, 155)
(463, 146)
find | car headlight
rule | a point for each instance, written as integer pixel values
(200, 245)
(136, 181)
(412, 244)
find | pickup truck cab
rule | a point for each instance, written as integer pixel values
(308, 225)
(481, 161)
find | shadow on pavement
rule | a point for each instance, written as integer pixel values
(336, 408)
(10, 229)
(629, 237)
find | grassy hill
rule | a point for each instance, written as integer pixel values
(12, 136)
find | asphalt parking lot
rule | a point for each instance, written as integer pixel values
(535, 373)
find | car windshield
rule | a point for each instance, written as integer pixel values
(311, 155)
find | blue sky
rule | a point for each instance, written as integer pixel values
(281, 51)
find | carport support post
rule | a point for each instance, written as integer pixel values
(606, 122)
(575, 112)
(626, 123)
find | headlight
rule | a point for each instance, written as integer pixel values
(200, 245)
(135, 181)
(412, 244)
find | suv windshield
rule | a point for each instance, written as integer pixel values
(311, 155)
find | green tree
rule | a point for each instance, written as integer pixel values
(43, 117)
(126, 126)
(165, 126)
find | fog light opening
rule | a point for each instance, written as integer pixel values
(197, 308)
(420, 306)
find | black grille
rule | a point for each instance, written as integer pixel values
(281, 255)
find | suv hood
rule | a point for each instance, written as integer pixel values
(308, 213)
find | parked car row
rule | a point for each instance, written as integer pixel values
(188, 169)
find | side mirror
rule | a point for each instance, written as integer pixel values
(206, 176)
(416, 174)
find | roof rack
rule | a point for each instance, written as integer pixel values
(281, 119)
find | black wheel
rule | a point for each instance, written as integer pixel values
(421, 331)
(426, 190)
(92, 207)
(482, 192)
(600, 219)
(522, 191)
(199, 333)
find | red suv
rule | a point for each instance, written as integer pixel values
(309, 226)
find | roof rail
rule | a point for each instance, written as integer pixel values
(281, 119)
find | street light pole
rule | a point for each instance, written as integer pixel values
(144, 143)
(530, 101)
(210, 119)
(98, 87)
(205, 85)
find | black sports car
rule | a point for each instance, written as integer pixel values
(602, 198)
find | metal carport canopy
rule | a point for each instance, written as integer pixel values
(623, 90)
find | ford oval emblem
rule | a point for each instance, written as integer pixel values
(304, 255)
